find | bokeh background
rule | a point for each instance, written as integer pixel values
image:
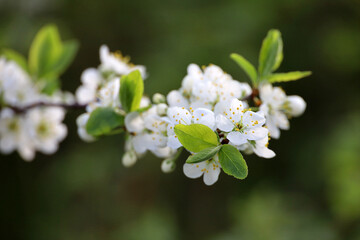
(310, 190)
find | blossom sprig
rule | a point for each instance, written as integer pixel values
(213, 116)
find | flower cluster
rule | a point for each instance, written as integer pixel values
(101, 86)
(212, 115)
(38, 129)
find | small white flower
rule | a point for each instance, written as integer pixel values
(17, 86)
(296, 106)
(210, 169)
(161, 109)
(168, 165)
(115, 62)
(259, 147)
(91, 80)
(179, 115)
(129, 159)
(46, 128)
(158, 98)
(240, 125)
(108, 95)
(176, 99)
(81, 122)
(149, 133)
(14, 135)
(277, 107)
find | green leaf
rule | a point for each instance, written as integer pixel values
(232, 162)
(65, 57)
(16, 57)
(196, 137)
(103, 121)
(203, 155)
(248, 68)
(45, 48)
(271, 53)
(286, 77)
(131, 91)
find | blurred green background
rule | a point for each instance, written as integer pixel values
(310, 190)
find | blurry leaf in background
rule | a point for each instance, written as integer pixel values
(49, 57)
(342, 169)
(16, 57)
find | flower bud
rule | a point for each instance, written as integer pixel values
(158, 98)
(297, 105)
(129, 159)
(168, 165)
(161, 109)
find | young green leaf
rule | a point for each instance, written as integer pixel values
(65, 57)
(248, 68)
(131, 91)
(271, 53)
(232, 162)
(286, 77)
(103, 121)
(16, 57)
(196, 137)
(203, 155)
(45, 48)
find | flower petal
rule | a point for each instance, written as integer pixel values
(194, 170)
(205, 117)
(223, 123)
(237, 138)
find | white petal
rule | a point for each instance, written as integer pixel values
(173, 142)
(237, 138)
(194, 170)
(205, 117)
(281, 120)
(176, 99)
(85, 95)
(91, 78)
(256, 133)
(134, 122)
(85, 136)
(212, 174)
(252, 119)
(164, 152)
(140, 143)
(273, 129)
(297, 105)
(223, 123)
(264, 152)
(179, 115)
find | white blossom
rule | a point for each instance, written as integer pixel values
(115, 62)
(14, 136)
(210, 169)
(45, 128)
(16, 85)
(81, 122)
(241, 125)
(259, 147)
(278, 107)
